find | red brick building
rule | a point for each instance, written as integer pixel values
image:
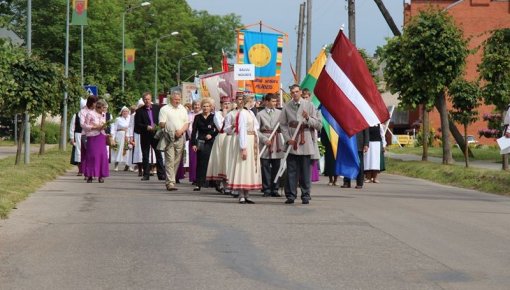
(475, 18)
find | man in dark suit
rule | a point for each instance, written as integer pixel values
(146, 120)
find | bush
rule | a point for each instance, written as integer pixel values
(52, 133)
(419, 138)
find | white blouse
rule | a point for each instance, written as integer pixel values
(244, 118)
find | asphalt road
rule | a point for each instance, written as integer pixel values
(403, 233)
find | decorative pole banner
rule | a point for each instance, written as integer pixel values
(264, 50)
(130, 59)
(79, 12)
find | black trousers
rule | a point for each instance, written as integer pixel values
(298, 169)
(146, 142)
(269, 170)
(202, 163)
(361, 176)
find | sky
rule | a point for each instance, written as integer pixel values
(327, 18)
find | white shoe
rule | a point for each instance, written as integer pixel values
(131, 169)
(116, 168)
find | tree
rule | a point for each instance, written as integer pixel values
(422, 63)
(495, 73)
(465, 97)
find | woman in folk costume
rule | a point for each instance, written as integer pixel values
(374, 158)
(216, 166)
(119, 133)
(136, 158)
(246, 168)
(205, 132)
(75, 138)
(97, 156)
(230, 141)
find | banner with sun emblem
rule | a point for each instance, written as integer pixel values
(264, 50)
(79, 12)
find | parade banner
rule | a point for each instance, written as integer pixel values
(79, 12)
(188, 89)
(129, 55)
(218, 85)
(264, 50)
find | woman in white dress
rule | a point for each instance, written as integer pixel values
(136, 158)
(374, 158)
(120, 135)
(216, 167)
(246, 169)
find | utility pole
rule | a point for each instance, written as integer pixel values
(299, 52)
(308, 34)
(388, 17)
(352, 21)
(29, 52)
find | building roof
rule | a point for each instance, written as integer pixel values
(11, 36)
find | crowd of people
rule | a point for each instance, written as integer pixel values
(234, 147)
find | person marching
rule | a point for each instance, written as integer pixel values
(216, 166)
(75, 138)
(97, 155)
(246, 169)
(303, 147)
(230, 141)
(120, 135)
(90, 106)
(270, 159)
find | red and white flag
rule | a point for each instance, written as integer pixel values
(224, 62)
(346, 89)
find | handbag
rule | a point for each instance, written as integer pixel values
(200, 144)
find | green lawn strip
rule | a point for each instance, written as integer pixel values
(489, 153)
(17, 182)
(485, 180)
(6, 143)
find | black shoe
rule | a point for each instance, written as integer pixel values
(345, 185)
(289, 201)
(249, 201)
(267, 194)
(196, 188)
(276, 194)
(242, 200)
(101, 180)
(161, 178)
(89, 180)
(145, 178)
(305, 201)
(177, 181)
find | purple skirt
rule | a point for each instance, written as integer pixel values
(180, 171)
(315, 171)
(97, 157)
(192, 164)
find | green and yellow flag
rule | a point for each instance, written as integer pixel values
(79, 12)
(129, 55)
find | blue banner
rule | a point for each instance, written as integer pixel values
(260, 49)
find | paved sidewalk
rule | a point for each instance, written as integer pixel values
(6, 151)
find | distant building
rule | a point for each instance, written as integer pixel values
(11, 36)
(475, 18)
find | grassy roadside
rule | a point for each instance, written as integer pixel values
(17, 182)
(481, 153)
(486, 180)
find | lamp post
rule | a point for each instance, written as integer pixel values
(143, 4)
(179, 66)
(156, 66)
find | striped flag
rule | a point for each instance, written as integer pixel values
(344, 148)
(346, 88)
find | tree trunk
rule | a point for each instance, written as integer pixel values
(20, 144)
(505, 162)
(466, 158)
(43, 134)
(445, 130)
(425, 134)
(458, 138)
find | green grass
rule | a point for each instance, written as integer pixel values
(6, 143)
(487, 153)
(486, 180)
(17, 182)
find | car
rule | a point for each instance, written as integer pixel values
(472, 142)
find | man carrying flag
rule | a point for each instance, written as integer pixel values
(299, 115)
(346, 89)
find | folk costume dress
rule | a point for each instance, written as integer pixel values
(216, 166)
(246, 174)
(75, 131)
(230, 143)
(120, 132)
(374, 158)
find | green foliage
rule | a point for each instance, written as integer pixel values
(495, 69)
(52, 135)
(419, 137)
(423, 62)
(465, 97)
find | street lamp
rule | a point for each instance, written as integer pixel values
(179, 66)
(143, 4)
(156, 69)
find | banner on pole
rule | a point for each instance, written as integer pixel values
(80, 8)
(130, 59)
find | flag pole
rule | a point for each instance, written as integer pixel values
(283, 164)
(270, 138)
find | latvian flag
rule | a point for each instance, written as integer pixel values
(347, 90)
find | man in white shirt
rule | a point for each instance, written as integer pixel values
(174, 118)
